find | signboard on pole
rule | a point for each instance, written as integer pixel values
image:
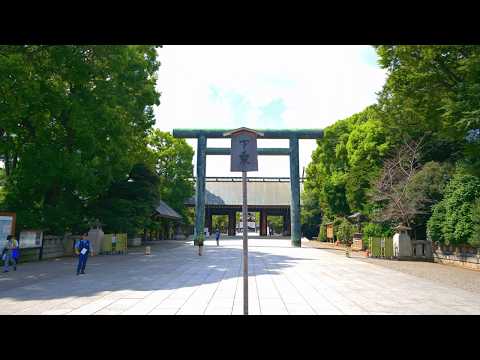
(244, 150)
(244, 158)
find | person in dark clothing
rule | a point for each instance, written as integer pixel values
(9, 253)
(82, 248)
(217, 236)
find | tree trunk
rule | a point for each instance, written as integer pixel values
(7, 165)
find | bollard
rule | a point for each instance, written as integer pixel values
(147, 250)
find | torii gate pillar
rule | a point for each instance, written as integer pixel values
(296, 232)
(200, 193)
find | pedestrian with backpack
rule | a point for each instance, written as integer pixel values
(8, 252)
(82, 249)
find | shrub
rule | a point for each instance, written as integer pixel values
(475, 238)
(371, 230)
(322, 233)
(344, 230)
(435, 223)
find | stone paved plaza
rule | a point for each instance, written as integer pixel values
(175, 280)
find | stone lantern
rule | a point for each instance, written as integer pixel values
(402, 244)
(95, 235)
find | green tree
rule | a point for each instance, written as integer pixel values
(2, 184)
(429, 183)
(432, 91)
(368, 143)
(220, 222)
(128, 204)
(72, 119)
(344, 231)
(322, 233)
(452, 221)
(376, 230)
(276, 222)
(311, 213)
(172, 160)
(347, 159)
(391, 191)
(475, 238)
(325, 175)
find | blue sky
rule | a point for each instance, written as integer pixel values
(264, 87)
(369, 56)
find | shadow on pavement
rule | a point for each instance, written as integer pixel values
(166, 268)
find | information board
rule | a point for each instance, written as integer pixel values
(7, 227)
(30, 239)
(330, 231)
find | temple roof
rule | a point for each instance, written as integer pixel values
(165, 211)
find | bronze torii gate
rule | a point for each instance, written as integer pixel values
(202, 151)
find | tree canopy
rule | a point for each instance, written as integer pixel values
(76, 126)
(172, 161)
(431, 93)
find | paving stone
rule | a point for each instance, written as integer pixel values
(164, 311)
(283, 280)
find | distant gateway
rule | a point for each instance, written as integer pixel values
(291, 217)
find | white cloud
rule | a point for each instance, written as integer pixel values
(230, 86)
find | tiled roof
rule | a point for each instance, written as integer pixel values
(166, 211)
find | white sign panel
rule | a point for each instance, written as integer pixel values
(244, 152)
(31, 239)
(6, 223)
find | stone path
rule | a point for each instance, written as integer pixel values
(175, 280)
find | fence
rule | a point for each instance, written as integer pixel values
(380, 247)
(120, 247)
(463, 256)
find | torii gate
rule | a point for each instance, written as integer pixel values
(202, 151)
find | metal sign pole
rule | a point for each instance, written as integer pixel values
(245, 244)
(244, 158)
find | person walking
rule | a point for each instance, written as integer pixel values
(114, 243)
(217, 236)
(16, 254)
(82, 248)
(8, 252)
